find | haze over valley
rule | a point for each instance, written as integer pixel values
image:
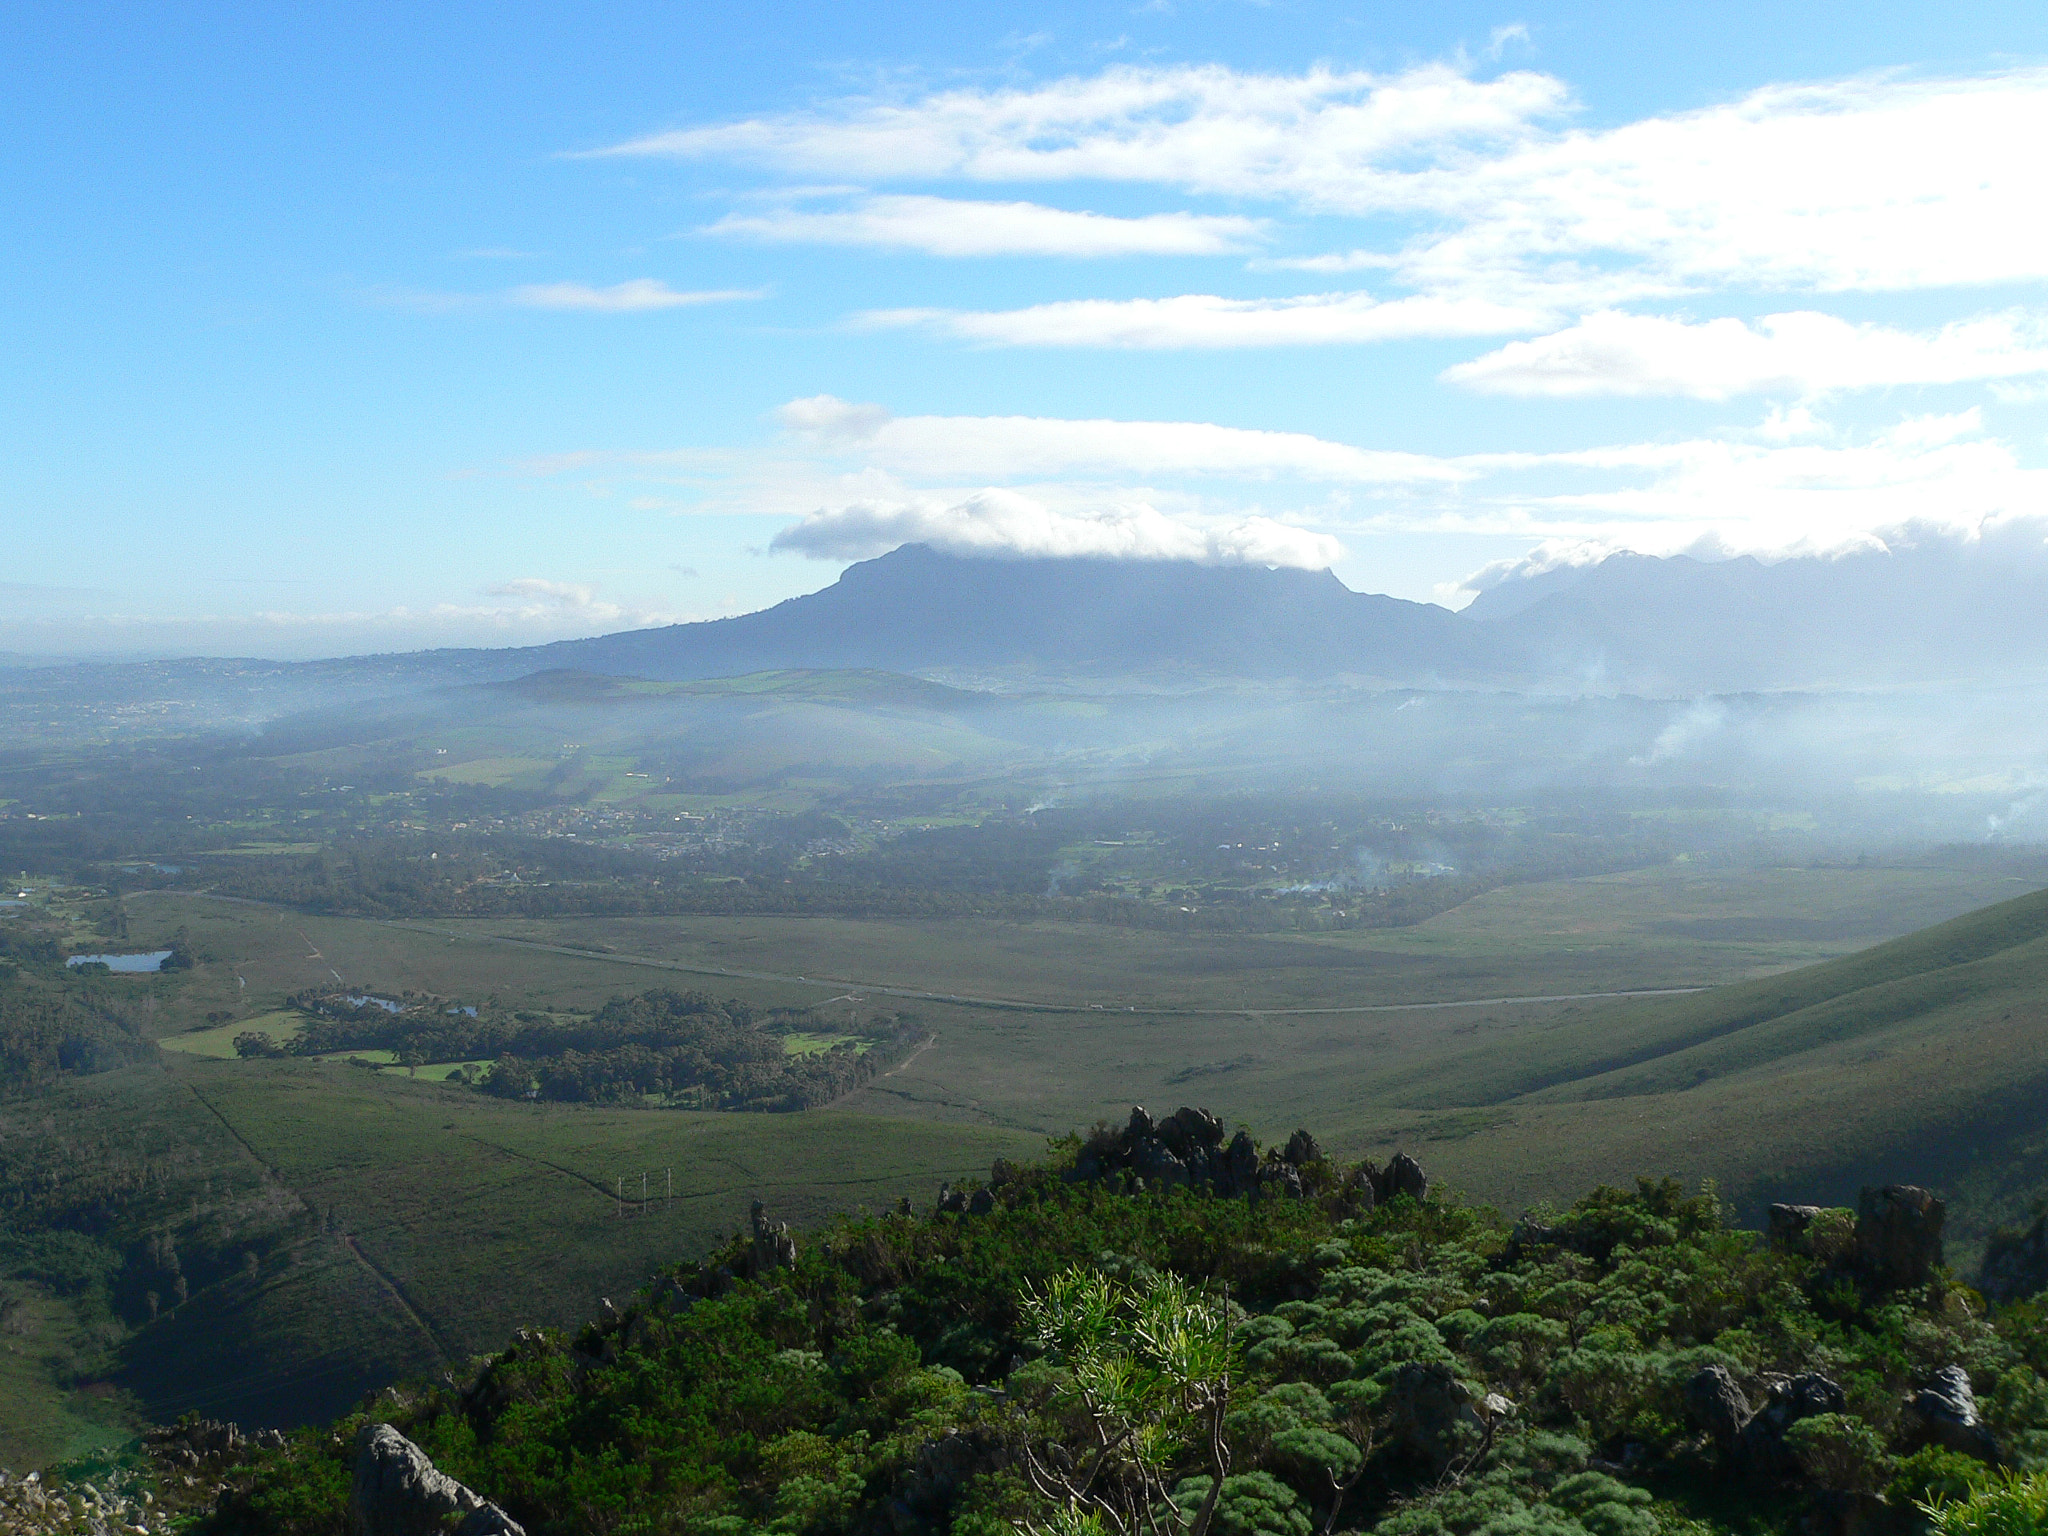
(1183, 771)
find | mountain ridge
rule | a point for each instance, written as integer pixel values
(1937, 613)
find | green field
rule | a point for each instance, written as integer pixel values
(1667, 927)
(218, 1041)
(347, 1227)
(807, 1043)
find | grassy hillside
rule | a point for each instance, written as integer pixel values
(1927, 1055)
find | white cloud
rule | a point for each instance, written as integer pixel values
(1205, 129)
(634, 297)
(1029, 447)
(1004, 523)
(1206, 320)
(1876, 183)
(1720, 497)
(1802, 353)
(2007, 539)
(1792, 483)
(941, 226)
(1330, 261)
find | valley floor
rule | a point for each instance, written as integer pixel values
(347, 1226)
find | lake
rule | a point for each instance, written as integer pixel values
(153, 961)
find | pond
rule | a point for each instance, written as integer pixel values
(153, 961)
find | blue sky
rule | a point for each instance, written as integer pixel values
(329, 332)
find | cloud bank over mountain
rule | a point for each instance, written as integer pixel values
(1003, 523)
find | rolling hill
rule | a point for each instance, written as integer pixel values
(1923, 1059)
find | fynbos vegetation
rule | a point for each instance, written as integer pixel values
(1078, 1347)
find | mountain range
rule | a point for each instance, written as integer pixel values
(1939, 611)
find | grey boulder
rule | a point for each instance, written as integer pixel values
(397, 1492)
(1944, 1413)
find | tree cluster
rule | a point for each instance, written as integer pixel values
(679, 1048)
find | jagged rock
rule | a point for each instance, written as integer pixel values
(951, 1201)
(1426, 1403)
(1302, 1149)
(1944, 1413)
(1898, 1236)
(397, 1492)
(1239, 1170)
(489, 1521)
(774, 1243)
(1187, 1148)
(196, 1439)
(1403, 1176)
(1717, 1405)
(1280, 1178)
(2015, 1264)
(1361, 1190)
(1002, 1171)
(981, 1203)
(1790, 1400)
(1788, 1226)
(1155, 1163)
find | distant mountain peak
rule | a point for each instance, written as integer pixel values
(920, 609)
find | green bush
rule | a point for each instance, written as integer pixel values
(1841, 1453)
(946, 1374)
(1935, 1474)
(2015, 1505)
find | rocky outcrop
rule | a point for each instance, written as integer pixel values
(1789, 1399)
(1426, 1404)
(1187, 1149)
(1754, 1440)
(2015, 1264)
(1894, 1243)
(1789, 1225)
(194, 1443)
(774, 1245)
(1403, 1176)
(1944, 1413)
(1717, 1405)
(1898, 1236)
(397, 1492)
(1370, 1185)
(31, 1507)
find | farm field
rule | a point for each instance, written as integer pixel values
(1667, 927)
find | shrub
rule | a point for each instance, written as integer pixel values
(1841, 1453)
(1934, 1474)
(2012, 1506)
